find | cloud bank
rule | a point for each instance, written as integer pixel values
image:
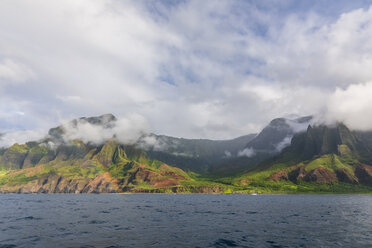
(125, 130)
(352, 106)
(21, 137)
(195, 69)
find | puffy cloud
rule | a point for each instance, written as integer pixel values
(352, 106)
(125, 130)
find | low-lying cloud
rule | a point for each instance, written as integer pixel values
(298, 127)
(283, 144)
(247, 152)
(352, 106)
(125, 130)
(9, 138)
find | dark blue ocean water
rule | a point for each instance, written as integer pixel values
(158, 220)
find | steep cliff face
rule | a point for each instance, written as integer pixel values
(322, 154)
(270, 138)
(134, 178)
(35, 154)
(318, 175)
(364, 174)
(320, 140)
(59, 184)
(320, 159)
(266, 144)
(109, 168)
(358, 174)
(32, 153)
(14, 157)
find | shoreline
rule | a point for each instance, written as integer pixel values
(164, 193)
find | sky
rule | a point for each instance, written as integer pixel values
(194, 69)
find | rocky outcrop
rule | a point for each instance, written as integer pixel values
(320, 175)
(130, 176)
(361, 175)
(105, 183)
(345, 176)
(280, 175)
(364, 174)
(138, 174)
(59, 184)
(297, 174)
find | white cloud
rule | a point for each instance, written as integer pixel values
(247, 152)
(12, 72)
(263, 89)
(283, 144)
(193, 69)
(69, 98)
(125, 130)
(299, 127)
(353, 106)
(227, 154)
(151, 142)
(21, 137)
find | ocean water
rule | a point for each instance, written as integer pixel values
(191, 220)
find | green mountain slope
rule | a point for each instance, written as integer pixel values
(79, 168)
(268, 143)
(322, 159)
(198, 155)
(328, 159)
(225, 157)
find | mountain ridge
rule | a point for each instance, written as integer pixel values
(322, 154)
(318, 158)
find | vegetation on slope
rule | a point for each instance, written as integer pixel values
(321, 160)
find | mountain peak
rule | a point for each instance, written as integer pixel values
(106, 121)
(321, 139)
(280, 130)
(99, 120)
